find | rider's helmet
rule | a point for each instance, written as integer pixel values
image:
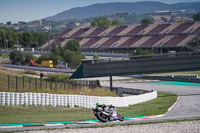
(98, 104)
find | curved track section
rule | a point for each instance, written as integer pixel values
(186, 107)
(188, 104)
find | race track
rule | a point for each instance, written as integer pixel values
(186, 107)
(188, 103)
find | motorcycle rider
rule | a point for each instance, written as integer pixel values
(103, 106)
(107, 112)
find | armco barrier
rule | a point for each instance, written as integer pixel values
(44, 99)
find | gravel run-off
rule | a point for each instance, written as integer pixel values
(176, 127)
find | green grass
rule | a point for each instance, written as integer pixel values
(157, 106)
(36, 85)
(31, 114)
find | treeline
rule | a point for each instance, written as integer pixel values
(102, 21)
(71, 54)
(25, 39)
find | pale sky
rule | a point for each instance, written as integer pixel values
(29, 10)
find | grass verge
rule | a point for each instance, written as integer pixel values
(37, 85)
(31, 114)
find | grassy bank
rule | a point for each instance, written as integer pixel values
(24, 83)
(22, 114)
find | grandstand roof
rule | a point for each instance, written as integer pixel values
(133, 36)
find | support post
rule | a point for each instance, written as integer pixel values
(23, 82)
(16, 84)
(8, 82)
(111, 83)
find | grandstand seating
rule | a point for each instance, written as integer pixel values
(90, 43)
(186, 40)
(129, 42)
(117, 30)
(133, 36)
(175, 40)
(197, 30)
(109, 42)
(181, 28)
(101, 41)
(163, 41)
(137, 29)
(65, 32)
(97, 31)
(58, 41)
(158, 29)
(151, 41)
(138, 43)
(79, 32)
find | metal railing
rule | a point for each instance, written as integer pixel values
(28, 84)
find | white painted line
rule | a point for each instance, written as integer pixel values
(173, 104)
(88, 122)
(48, 125)
(20, 126)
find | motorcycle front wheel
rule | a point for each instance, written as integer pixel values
(120, 117)
(101, 117)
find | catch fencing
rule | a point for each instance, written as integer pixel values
(45, 99)
(29, 84)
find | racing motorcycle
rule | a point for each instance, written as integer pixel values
(107, 113)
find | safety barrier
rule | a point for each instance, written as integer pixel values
(45, 99)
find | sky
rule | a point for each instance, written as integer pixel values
(29, 10)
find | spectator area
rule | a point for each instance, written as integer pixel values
(133, 36)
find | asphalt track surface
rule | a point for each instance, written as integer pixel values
(44, 69)
(186, 107)
(188, 103)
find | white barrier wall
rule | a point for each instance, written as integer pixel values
(44, 99)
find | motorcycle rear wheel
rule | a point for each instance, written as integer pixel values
(101, 117)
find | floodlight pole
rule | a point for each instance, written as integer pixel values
(4, 39)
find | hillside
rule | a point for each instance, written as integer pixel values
(120, 7)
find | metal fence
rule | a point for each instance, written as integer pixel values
(24, 84)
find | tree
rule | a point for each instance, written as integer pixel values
(181, 20)
(72, 58)
(83, 56)
(196, 16)
(55, 55)
(34, 44)
(16, 57)
(55, 50)
(140, 51)
(95, 56)
(100, 22)
(43, 57)
(115, 23)
(28, 57)
(75, 60)
(27, 38)
(40, 38)
(73, 45)
(146, 21)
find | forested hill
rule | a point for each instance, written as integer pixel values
(120, 7)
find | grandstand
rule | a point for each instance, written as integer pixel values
(172, 36)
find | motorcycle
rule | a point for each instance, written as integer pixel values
(107, 113)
